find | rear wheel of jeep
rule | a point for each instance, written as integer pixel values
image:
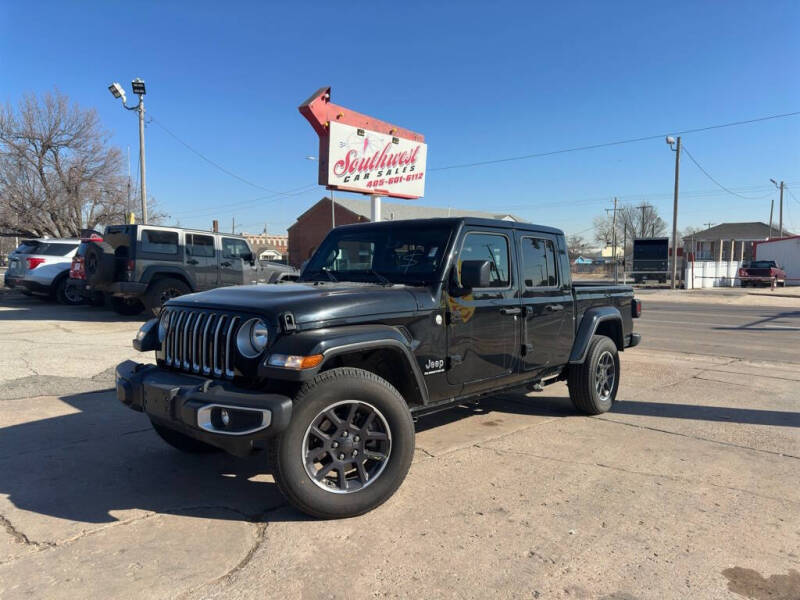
(182, 442)
(161, 291)
(593, 384)
(348, 446)
(126, 306)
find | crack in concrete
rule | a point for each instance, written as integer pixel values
(502, 451)
(261, 535)
(19, 537)
(694, 437)
(255, 519)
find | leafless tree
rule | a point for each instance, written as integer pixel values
(576, 246)
(641, 221)
(58, 174)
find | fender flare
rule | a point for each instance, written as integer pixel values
(334, 342)
(153, 270)
(589, 323)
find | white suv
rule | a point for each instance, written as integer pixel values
(41, 267)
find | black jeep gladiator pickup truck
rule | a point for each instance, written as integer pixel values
(388, 321)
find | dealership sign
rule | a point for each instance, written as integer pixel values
(360, 160)
(359, 153)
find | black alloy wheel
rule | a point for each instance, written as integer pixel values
(347, 446)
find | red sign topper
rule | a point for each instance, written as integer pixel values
(369, 156)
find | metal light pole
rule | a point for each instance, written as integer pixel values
(780, 208)
(137, 85)
(677, 151)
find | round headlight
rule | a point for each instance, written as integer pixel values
(252, 338)
(163, 325)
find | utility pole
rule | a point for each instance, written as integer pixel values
(643, 225)
(233, 224)
(771, 208)
(614, 237)
(780, 207)
(675, 214)
(708, 225)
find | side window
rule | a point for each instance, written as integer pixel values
(200, 245)
(539, 262)
(159, 242)
(234, 248)
(491, 247)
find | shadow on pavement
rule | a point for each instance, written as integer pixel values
(104, 458)
(14, 306)
(699, 412)
(767, 323)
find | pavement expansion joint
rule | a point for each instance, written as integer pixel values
(676, 478)
(700, 439)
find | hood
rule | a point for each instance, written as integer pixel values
(308, 302)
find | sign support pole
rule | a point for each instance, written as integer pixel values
(375, 212)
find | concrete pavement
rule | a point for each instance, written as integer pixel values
(686, 490)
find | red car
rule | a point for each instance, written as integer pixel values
(762, 272)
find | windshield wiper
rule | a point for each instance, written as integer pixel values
(382, 278)
(323, 270)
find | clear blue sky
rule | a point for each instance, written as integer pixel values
(480, 80)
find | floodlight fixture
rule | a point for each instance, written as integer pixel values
(773, 181)
(670, 140)
(117, 91)
(137, 85)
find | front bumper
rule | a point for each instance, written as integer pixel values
(195, 405)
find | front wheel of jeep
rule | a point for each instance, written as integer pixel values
(348, 446)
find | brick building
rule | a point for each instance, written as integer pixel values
(314, 224)
(269, 246)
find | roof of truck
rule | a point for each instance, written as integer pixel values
(476, 221)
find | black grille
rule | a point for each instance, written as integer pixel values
(200, 341)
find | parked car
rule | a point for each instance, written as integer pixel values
(41, 267)
(275, 272)
(762, 272)
(389, 321)
(142, 266)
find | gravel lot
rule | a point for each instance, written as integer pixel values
(688, 489)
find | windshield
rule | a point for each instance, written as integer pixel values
(45, 248)
(762, 264)
(409, 254)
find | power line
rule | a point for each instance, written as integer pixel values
(248, 203)
(615, 143)
(211, 162)
(707, 174)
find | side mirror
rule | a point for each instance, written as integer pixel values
(476, 273)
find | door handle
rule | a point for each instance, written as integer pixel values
(225, 263)
(510, 311)
(191, 261)
(554, 307)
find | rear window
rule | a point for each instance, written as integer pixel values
(45, 248)
(159, 242)
(762, 264)
(26, 247)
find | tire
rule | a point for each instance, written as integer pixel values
(162, 290)
(99, 263)
(583, 379)
(127, 306)
(182, 442)
(389, 432)
(67, 294)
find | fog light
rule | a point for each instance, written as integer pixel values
(225, 417)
